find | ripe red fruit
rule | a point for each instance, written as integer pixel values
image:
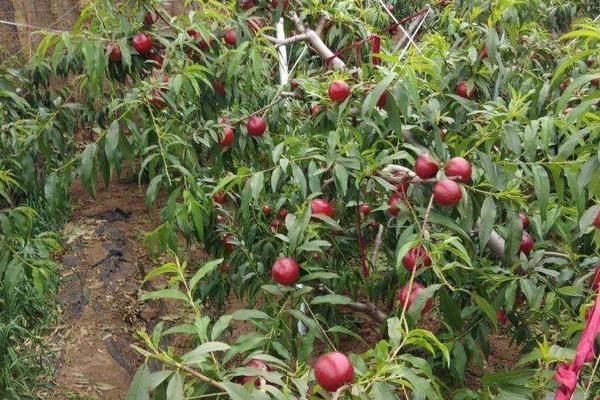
(402, 188)
(157, 100)
(595, 82)
(501, 315)
(526, 243)
(275, 225)
(275, 3)
(230, 37)
(285, 271)
(462, 90)
(227, 242)
(565, 84)
(458, 167)
(157, 58)
(227, 138)
(114, 53)
(483, 53)
(142, 43)
(219, 87)
(225, 266)
(524, 219)
(596, 221)
(203, 44)
(149, 19)
(390, 7)
(596, 281)
(414, 293)
(220, 197)
(447, 193)
(590, 61)
(416, 257)
(256, 125)
(364, 209)
(283, 213)
(266, 209)
(294, 84)
(257, 364)
(382, 100)
(315, 110)
(333, 370)
(425, 167)
(247, 4)
(321, 207)
(338, 91)
(393, 201)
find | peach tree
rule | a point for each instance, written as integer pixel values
(422, 175)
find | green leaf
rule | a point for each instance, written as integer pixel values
(237, 392)
(486, 224)
(152, 190)
(112, 141)
(383, 391)
(485, 307)
(163, 269)
(175, 388)
(341, 176)
(332, 299)
(88, 175)
(199, 353)
(140, 385)
(257, 183)
(373, 97)
(541, 184)
(202, 272)
(165, 294)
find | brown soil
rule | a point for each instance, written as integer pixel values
(104, 265)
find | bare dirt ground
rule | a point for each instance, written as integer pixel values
(104, 265)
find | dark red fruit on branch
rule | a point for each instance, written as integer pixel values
(590, 61)
(294, 84)
(447, 193)
(596, 221)
(458, 167)
(321, 207)
(275, 3)
(462, 90)
(266, 209)
(220, 197)
(149, 19)
(416, 258)
(315, 110)
(393, 201)
(338, 91)
(219, 87)
(275, 225)
(157, 100)
(283, 213)
(227, 242)
(483, 53)
(142, 43)
(382, 100)
(230, 37)
(526, 243)
(364, 209)
(203, 44)
(404, 297)
(333, 370)
(257, 364)
(425, 167)
(256, 125)
(285, 271)
(524, 219)
(225, 266)
(402, 188)
(114, 53)
(502, 318)
(445, 3)
(565, 84)
(595, 82)
(247, 4)
(157, 58)
(255, 24)
(227, 138)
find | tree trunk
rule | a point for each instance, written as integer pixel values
(9, 35)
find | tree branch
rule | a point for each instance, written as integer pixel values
(317, 43)
(366, 308)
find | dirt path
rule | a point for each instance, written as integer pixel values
(104, 264)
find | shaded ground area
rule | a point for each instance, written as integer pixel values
(103, 268)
